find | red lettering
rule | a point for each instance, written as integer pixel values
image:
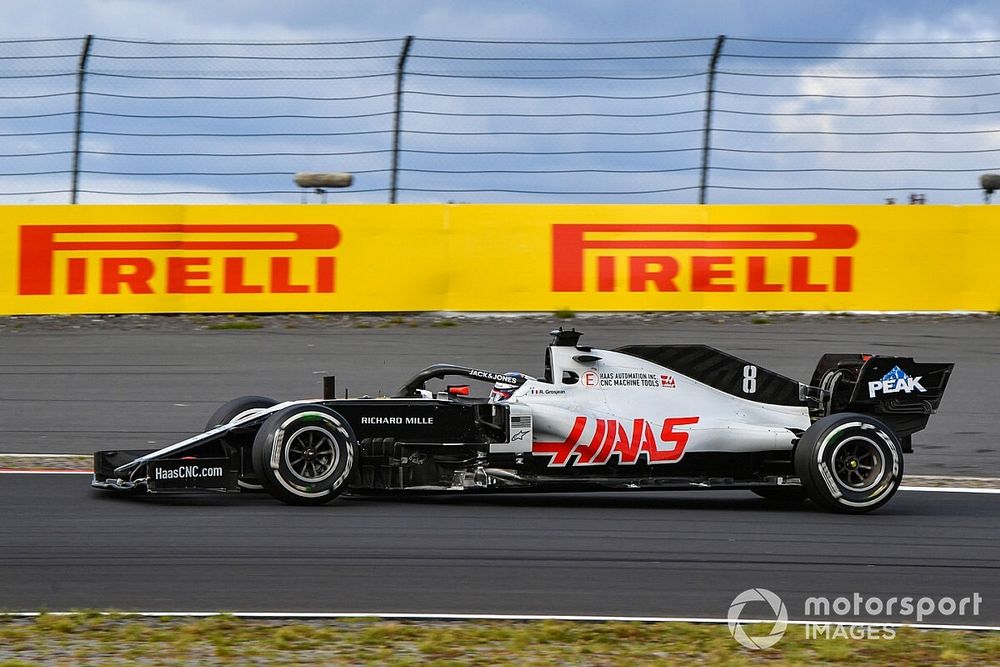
(628, 448)
(570, 242)
(560, 450)
(648, 442)
(132, 272)
(325, 274)
(234, 283)
(181, 271)
(609, 442)
(605, 274)
(610, 437)
(641, 272)
(679, 438)
(40, 243)
(800, 277)
(757, 276)
(584, 453)
(76, 275)
(281, 277)
(842, 274)
(704, 274)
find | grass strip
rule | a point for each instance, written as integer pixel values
(89, 638)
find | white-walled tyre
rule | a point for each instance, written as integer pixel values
(240, 408)
(849, 462)
(304, 454)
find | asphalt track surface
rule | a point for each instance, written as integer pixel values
(64, 545)
(687, 554)
(76, 390)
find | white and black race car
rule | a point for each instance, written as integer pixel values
(637, 417)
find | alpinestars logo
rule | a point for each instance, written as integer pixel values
(895, 381)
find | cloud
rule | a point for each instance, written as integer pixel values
(460, 19)
(253, 20)
(865, 99)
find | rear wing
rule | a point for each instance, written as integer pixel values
(899, 384)
(898, 390)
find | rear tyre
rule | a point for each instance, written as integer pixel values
(849, 462)
(304, 454)
(238, 408)
(781, 494)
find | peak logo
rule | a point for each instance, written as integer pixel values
(693, 257)
(895, 381)
(177, 259)
(612, 438)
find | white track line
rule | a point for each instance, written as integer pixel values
(939, 477)
(948, 489)
(495, 617)
(44, 456)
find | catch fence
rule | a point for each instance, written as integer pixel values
(715, 119)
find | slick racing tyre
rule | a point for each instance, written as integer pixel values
(304, 454)
(244, 406)
(849, 462)
(781, 494)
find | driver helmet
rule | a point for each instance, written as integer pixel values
(502, 391)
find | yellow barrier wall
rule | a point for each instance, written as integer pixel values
(123, 259)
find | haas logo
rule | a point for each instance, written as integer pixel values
(629, 443)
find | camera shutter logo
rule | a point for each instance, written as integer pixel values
(736, 628)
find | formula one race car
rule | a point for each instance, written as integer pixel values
(638, 417)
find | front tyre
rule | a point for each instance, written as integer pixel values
(304, 454)
(849, 462)
(241, 408)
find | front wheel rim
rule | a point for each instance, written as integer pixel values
(311, 454)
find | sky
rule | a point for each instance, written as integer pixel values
(484, 19)
(574, 21)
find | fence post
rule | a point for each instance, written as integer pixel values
(706, 145)
(81, 75)
(396, 125)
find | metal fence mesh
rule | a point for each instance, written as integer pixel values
(491, 121)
